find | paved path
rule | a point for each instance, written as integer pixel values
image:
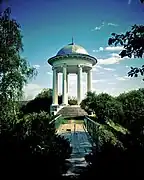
(79, 140)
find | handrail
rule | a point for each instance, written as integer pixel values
(92, 128)
(96, 131)
(91, 120)
(55, 119)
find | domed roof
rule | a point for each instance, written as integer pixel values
(72, 49)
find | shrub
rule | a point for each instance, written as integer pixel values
(32, 141)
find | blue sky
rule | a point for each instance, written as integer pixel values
(48, 25)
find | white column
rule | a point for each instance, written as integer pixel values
(79, 84)
(67, 86)
(89, 80)
(64, 87)
(55, 86)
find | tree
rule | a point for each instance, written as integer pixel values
(124, 160)
(133, 45)
(87, 103)
(41, 102)
(132, 41)
(14, 70)
(133, 109)
(45, 93)
(103, 106)
(32, 141)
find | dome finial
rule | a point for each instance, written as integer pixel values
(72, 40)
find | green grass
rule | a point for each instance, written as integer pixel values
(108, 131)
(117, 127)
(79, 121)
(60, 121)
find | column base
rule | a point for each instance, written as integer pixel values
(64, 104)
(54, 109)
(79, 103)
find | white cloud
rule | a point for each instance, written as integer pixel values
(121, 78)
(101, 48)
(124, 78)
(111, 83)
(98, 66)
(49, 73)
(98, 80)
(101, 72)
(109, 69)
(31, 90)
(115, 55)
(112, 24)
(37, 66)
(115, 75)
(95, 69)
(111, 60)
(97, 28)
(114, 59)
(98, 50)
(129, 2)
(114, 48)
(109, 48)
(127, 77)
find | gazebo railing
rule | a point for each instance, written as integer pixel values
(92, 128)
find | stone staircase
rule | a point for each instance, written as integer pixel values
(72, 112)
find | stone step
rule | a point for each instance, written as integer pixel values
(72, 111)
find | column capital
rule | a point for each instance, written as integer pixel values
(64, 65)
(89, 70)
(79, 66)
(53, 68)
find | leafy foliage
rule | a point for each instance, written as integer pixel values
(14, 70)
(133, 109)
(33, 141)
(126, 109)
(103, 106)
(28, 145)
(42, 102)
(135, 71)
(132, 41)
(120, 150)
(72, 101)
(112, 160)
(88, 103)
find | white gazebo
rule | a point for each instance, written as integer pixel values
(70, 59)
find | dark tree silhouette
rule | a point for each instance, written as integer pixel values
(41, 102)
(132, 41)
